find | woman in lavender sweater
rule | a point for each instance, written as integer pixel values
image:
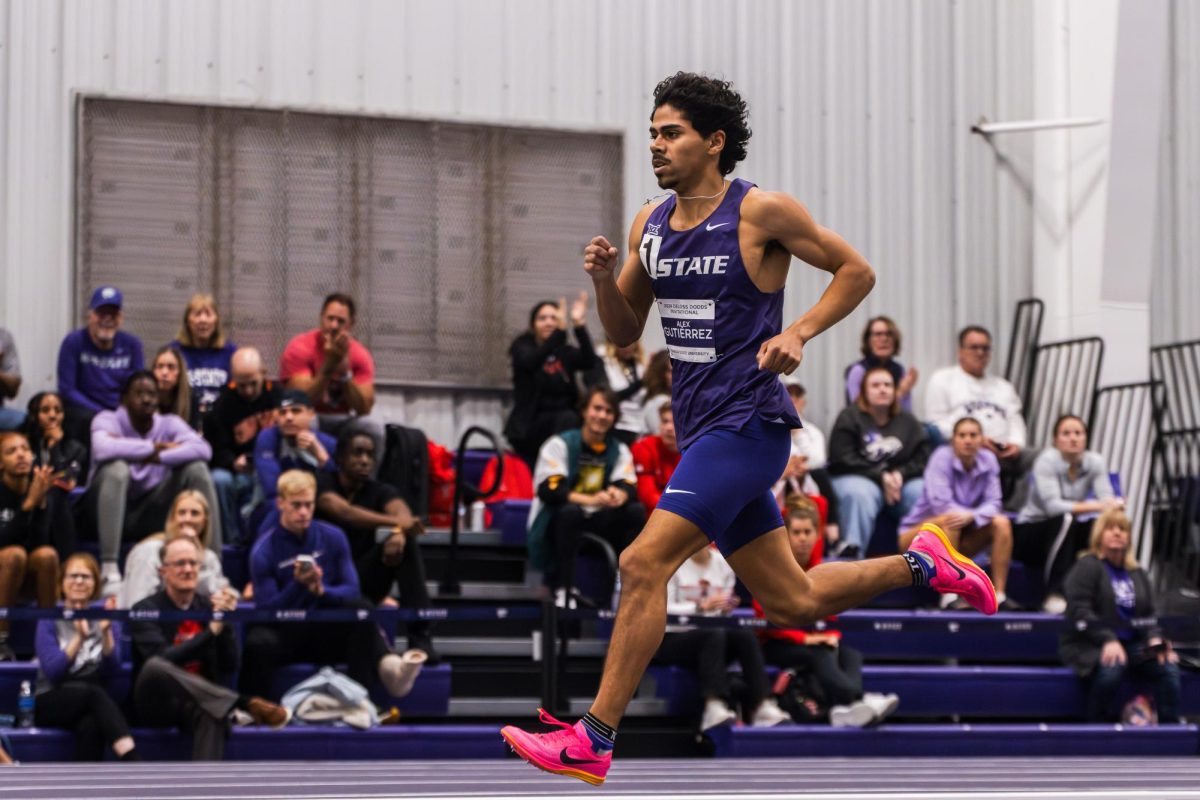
(76, 657)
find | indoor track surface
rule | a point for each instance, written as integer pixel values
(769, 779)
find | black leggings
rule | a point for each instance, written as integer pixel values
(838, 671)
(709, 651)
(87, 709)
(376, 580)
(1032, 542)
(617, 526)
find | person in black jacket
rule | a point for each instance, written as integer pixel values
(181, 669)
(877, 455)
(1106, 591)
(545, 395)
(69, 461)
(243, 408)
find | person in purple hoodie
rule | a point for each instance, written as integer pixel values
(961, 494)
(95, 361)
(207, 352)
(141, 460)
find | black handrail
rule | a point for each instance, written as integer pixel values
(464, 495)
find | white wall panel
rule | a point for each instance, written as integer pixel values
(860, 108)
(1175, 286)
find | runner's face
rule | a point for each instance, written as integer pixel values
(678, 153)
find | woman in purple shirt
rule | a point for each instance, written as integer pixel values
(207, 352)
(880, 346)
(961, 494)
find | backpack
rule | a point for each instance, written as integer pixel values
(406, 466)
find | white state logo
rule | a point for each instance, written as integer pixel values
(669, 490)
(714, 227)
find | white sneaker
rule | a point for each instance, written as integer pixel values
(716, 712)
(1055, 604)
(856, 715)
(947, 600)
(561, 600)
(110, 584)
(769, 714)
(884, 705)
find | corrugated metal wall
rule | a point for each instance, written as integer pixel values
(861, 109)
(1175, 287)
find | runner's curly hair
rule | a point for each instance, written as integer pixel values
(710, 105)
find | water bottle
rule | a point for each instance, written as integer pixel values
(477, 515)
(25, 706)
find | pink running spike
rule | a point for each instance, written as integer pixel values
(565, 751)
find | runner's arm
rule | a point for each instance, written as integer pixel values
(623, 302)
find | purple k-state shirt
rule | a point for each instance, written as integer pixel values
(949, 486)
(714, 321)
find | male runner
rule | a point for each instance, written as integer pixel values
(715, 256)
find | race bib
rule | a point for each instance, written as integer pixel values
(689, 329)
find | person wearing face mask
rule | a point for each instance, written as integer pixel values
(95, 361)
(171, 373)
(207, 352)
(181, 668)
(292, 444)
(68, 460)
(544, 367)
(28, 564)
(143, 459)
(877, 454)
(1106, 591)
(880, 346)
(247, 405)
(77, 659)
(188, 518)
(961, 495)
(1068, 479)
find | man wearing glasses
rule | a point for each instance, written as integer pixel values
(967, 390)
(245, 406)
(182, 669)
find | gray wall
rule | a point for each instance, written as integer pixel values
(861, 109)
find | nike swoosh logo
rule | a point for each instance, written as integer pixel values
(566, 759)
(669, 490)
(957, 569)
(714, 227)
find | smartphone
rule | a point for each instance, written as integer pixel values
(306, 562)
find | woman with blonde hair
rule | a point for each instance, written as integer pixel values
(202, 341)
(1106, 591)
(189, 517)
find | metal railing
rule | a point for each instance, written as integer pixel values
(1065, 378)
(1177, 366)
(1022, 346)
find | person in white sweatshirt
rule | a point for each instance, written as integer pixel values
(704, 586)
(966, 390)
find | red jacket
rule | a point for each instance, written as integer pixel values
(655, 464)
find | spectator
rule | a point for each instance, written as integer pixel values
(67, 459)
(188, 518)
(202, 342)
(655, 458)
(1070, 485)
(95, 361)
(335, 371)
(807, 472)
(10, 381)
(292, 444)
(961, 495)
(182, 669)
(877, 454)
(171, 374)
(76, 660)
(880, 346)
(622, 369)
(544, 367)
(967, 390)
(1106, 591)
(585, 481)
(820, 655)
(247, 406)
(704, 586)
(384, 535)
(143, 459)
(28, 564)
(302, 563)
(658, 388)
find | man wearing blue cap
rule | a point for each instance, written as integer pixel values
(95, 361)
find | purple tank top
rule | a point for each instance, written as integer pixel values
(714, 320)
